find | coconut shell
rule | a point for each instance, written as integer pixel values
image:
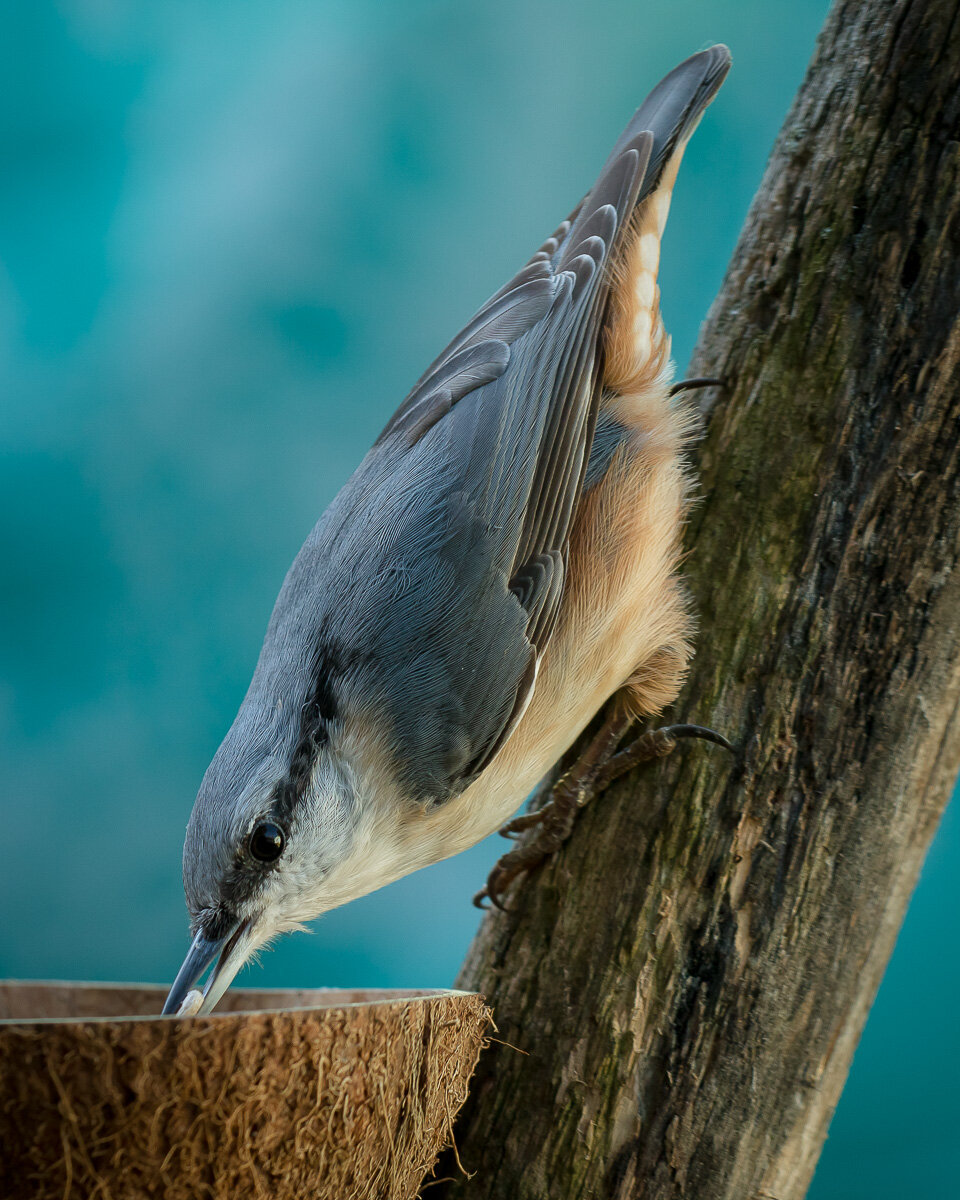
(280, 1094)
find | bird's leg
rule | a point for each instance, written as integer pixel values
(591, 774)
(688, 385)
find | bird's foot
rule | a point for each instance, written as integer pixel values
(592, 774)
(655, 743)
(553, 824)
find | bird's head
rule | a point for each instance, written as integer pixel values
(267, 833)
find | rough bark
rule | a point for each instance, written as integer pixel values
(683, 988)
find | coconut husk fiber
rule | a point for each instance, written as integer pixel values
(301, 1095)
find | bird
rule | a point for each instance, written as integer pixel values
(502, 566)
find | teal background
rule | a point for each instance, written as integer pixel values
(231, 236)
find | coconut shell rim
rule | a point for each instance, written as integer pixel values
(389, 996)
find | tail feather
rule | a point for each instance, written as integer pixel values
(636, 346)
(672, 110)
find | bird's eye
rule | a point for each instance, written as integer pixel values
(266, 842)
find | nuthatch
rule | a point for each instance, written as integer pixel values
(503, 562)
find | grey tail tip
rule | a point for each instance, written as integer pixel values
(719, 52)
(717, 60)
(714, 63)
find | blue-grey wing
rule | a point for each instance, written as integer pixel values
(443, 559)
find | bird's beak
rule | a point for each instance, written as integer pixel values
(233, 948)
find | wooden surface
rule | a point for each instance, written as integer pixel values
(331, 1095)
(682, 990)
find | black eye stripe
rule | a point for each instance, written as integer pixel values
(266, 842)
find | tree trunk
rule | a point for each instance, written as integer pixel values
(682, 990)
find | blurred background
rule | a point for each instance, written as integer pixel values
(231, 237)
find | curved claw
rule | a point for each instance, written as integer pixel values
(498, 880)
(493, 897)
(510, 834)
(701, 381)
(521, 824)
(698, 731)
